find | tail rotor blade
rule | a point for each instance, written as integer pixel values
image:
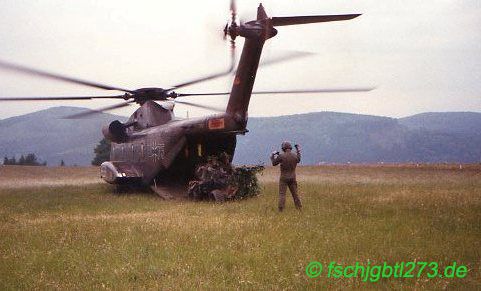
(294, 20)
(233, 10)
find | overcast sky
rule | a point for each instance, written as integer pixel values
(421, 55)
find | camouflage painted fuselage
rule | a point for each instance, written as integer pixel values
(171, 149)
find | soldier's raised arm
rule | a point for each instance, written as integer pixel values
(298, 151)
(275, 158)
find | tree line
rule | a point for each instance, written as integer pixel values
(102, 154)
(27, 160)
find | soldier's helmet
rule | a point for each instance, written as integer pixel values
(286, 145)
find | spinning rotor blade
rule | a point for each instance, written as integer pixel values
(99, 110)
(35, 72)
(201, 106)
(293, 20)
(214, 76)
(60, 98)
(233, 10)
(327, 90)
(222, 74)
(200, 94)
(293, 55)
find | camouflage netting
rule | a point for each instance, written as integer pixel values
(218, 180)
(245, 179)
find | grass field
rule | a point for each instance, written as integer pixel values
(63, 228)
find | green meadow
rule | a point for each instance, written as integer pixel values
(75, 234)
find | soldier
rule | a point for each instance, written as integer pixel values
(201, 172)
(213, 170)
(288, 161)
(225, 164)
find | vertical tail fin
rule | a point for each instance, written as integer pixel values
(261, 13)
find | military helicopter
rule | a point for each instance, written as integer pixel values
(153, 146)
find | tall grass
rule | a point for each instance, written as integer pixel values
(86, 237)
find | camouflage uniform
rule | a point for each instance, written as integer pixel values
(226, 170)
(213, 179)
(288, 161)
(201, 172)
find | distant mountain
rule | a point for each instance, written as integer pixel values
(328, 137)
(52, 138)
(341, 138)
(452, 122)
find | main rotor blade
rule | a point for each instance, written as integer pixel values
(61, 98)
(214, 76)
(293, 55)
(327, 90)
(201, 94)
(211, 77)
(97, 111)
(35, 72)
(293, 20)
(201, 106)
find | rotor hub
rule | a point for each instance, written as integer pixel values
(231, 30)
(144, 94)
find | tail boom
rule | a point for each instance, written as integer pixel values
(256, 33)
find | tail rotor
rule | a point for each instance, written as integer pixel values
(230, 29)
